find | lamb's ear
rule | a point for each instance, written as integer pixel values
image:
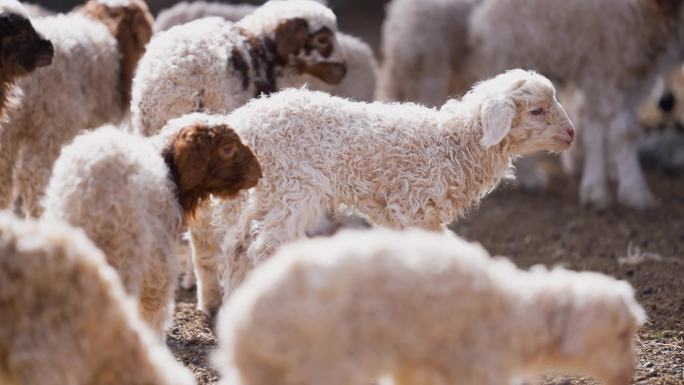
(496, 116)
(192, 149)
(290, 36)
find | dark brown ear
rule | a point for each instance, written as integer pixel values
(192, 153)
(131, 25)
(290, 36)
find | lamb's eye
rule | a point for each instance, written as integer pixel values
(228, 151)
(323, 40)
(537, 111)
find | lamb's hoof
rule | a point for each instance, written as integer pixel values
(188, 281)
(596, 196)
(209, 307)
(640, 199)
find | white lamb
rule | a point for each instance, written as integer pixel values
(362, 67)
(214, 65)
(435, 47)
(131, 194)
(87, 85)
(423, 308)
(397, 165)
(65, 316)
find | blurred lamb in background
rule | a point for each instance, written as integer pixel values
(433, 48)
(216, 66)
(359, 83)
(663, 116)
(422, 308)
(66, 318)
(88, 84)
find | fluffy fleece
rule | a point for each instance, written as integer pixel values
(87, 85)
(130, 195)
(569, 41)
(66, 318)
(421, 308)
(214, 65)
(397, 165)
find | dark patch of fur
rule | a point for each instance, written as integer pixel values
(22, 50)
(265, 62)
(132, 28)
(241, 66)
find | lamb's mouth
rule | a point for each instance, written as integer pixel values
(330, 72)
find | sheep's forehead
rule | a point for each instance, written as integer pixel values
(538, 89)
(13, 6)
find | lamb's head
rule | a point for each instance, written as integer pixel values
(302, 34)
(519, 109)
(593, 331)
(130, 22)
(22, 49)
(207, 157)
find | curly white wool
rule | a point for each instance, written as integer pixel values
(117, 187)
(422, 308)
(397, 165)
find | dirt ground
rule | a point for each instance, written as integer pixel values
(551, 228)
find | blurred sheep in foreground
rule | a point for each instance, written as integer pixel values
(65, 316)
(422, 308)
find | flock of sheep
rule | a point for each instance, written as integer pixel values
(253, 128)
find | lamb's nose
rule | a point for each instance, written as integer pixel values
(570, 132)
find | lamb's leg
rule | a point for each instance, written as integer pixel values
(572, 100)
(33, 176)
(189, 279)
(9, 151)
(594, 186)
(206, 249)
(205, 252)
(237, 264)
(633, 190)
(262, 229)
(285, 221)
